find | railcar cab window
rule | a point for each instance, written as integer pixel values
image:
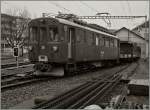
(33, 34)
(43, 34)
(53, 35)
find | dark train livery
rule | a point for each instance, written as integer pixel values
(129, 51)
(63, 46)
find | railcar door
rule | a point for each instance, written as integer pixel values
(71, 44)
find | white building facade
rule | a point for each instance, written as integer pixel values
(143, 30)
(125, 34)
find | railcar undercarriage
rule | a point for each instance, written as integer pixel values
(68, 69)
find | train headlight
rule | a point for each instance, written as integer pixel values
(42, 47)
(55, 48)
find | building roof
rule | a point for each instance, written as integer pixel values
(130, 31)
(142, 25)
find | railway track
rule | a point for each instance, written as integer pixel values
(21, 82)
(85, 94)
(13, 65)
(16, 80)
(6, 76)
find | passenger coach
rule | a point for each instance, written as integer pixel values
(67, 46)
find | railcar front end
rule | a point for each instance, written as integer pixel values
(47, 47)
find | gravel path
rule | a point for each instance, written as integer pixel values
(51, 88)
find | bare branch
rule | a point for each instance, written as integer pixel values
(20, 24)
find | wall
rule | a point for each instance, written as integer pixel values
(125, 35)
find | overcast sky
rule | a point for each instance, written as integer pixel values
(84, 8)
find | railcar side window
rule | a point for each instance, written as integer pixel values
(53, 35)
(115, 43)
(111, 42)
(93, 39)
(97, 40)
(89, 38)
(80, 35)
(84, 36)
(33, 34)
(107, 42)
(102, 41)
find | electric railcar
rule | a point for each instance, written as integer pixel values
(62, 46)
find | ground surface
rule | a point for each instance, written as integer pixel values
(24, 96)
(13, 60)
(141, 73)
(49, 88)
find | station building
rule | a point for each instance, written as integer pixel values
(143, 30)
(125, 34)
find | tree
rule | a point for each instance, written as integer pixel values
(19, 25)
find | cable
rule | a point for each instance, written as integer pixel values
(59, 6)
(89, 6)
(93, 9)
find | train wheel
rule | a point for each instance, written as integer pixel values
(70, 69)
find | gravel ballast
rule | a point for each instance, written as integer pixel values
(49, 88)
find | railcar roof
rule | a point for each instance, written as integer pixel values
(84, 27)
(77, 25)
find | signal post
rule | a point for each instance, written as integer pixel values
(16, 54)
